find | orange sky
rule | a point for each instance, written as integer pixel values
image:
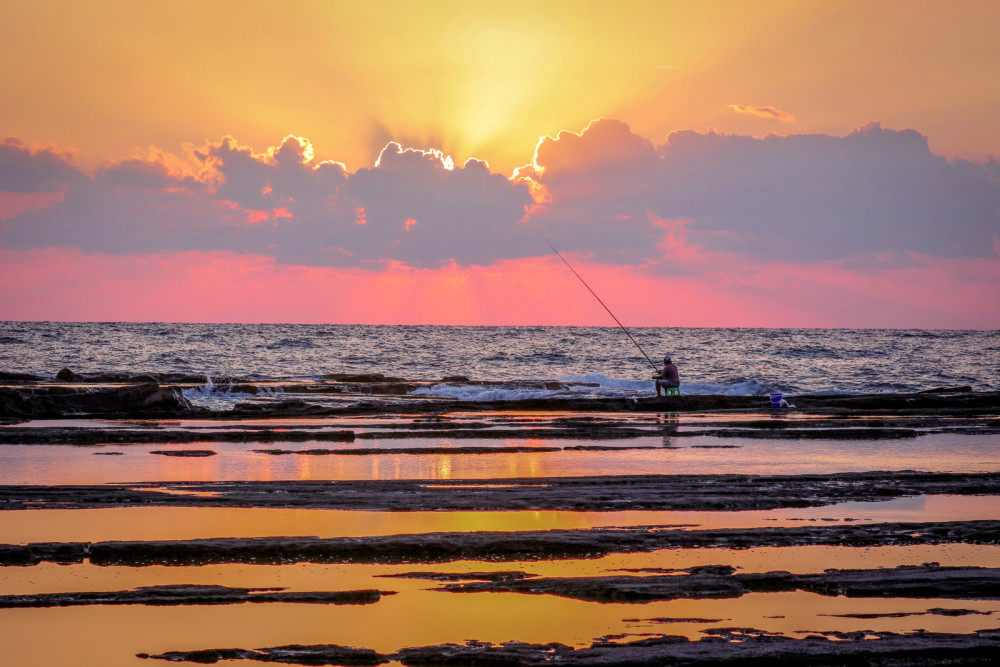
(117, 113)
(487, 79)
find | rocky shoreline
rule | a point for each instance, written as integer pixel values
(722, 646)
(489, 546)
(357, 414)
(24, 397)
(593, 494)
(186, 594)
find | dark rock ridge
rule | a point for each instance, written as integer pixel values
(89, 435)
(737, 646)
(27, 396)
(185, 453)
(490, 546)
(147, 399)
(70, 435)
(187, 594)
(125, 377)
(19, 378)
(936, 611)
(721, 581)
(598, 494)
(460, 576)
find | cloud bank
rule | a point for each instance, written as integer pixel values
(839, 215)
(605, 191)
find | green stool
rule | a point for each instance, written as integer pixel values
(671, 391)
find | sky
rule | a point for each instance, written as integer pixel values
(747, 164)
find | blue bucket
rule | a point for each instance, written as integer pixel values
(776, 399)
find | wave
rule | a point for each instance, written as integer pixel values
(214, 397)
(474, 393)
(293, 344)
(594, 385)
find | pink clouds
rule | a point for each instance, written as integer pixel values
(869, 229)
(793, 198)
(13, 204)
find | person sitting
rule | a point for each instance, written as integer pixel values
(668, 377)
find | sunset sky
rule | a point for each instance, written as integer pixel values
(779, 164)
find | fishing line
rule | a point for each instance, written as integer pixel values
(598, 300)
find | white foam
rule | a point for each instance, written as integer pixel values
(214, 397)
(606, 388)
(629, 387)
(482, 392)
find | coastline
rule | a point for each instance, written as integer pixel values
(374, 418)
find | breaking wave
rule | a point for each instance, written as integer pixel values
(215, 397)
(580, 386)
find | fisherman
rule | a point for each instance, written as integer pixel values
(668, 377)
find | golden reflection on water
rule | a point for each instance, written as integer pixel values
(419, 615)
(60, 464)
(52, 577)
(180, 523)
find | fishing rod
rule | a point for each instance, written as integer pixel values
(568, 265)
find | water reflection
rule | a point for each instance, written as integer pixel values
(420, 615)
(56, 464)
(182, 523)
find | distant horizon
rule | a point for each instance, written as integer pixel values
(487, 326)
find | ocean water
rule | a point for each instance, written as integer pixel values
(710, 361)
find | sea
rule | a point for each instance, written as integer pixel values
(729, 361)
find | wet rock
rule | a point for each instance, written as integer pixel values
(44, 552)
(937, 611)
(559, 544)
(645, 492)
(189, 594)
(187, 453)
(722, 582)
(673, 620)
(323, 654)
(66, 375)
(737, 646)
(460, 576)
(148, 400)
(93, 436)
(948, 390)
(19, 378)
(392, 397)
(474, 653)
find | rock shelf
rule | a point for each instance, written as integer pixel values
(597, 494)
(489, 546)
(159, 395)
(723, 646)
(188, 594)
(722, 581)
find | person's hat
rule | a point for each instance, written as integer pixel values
(666, 357)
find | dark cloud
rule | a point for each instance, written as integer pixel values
(24, 170)
(415, 205)
(463, 213)
(873, 195)
(796, 198)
